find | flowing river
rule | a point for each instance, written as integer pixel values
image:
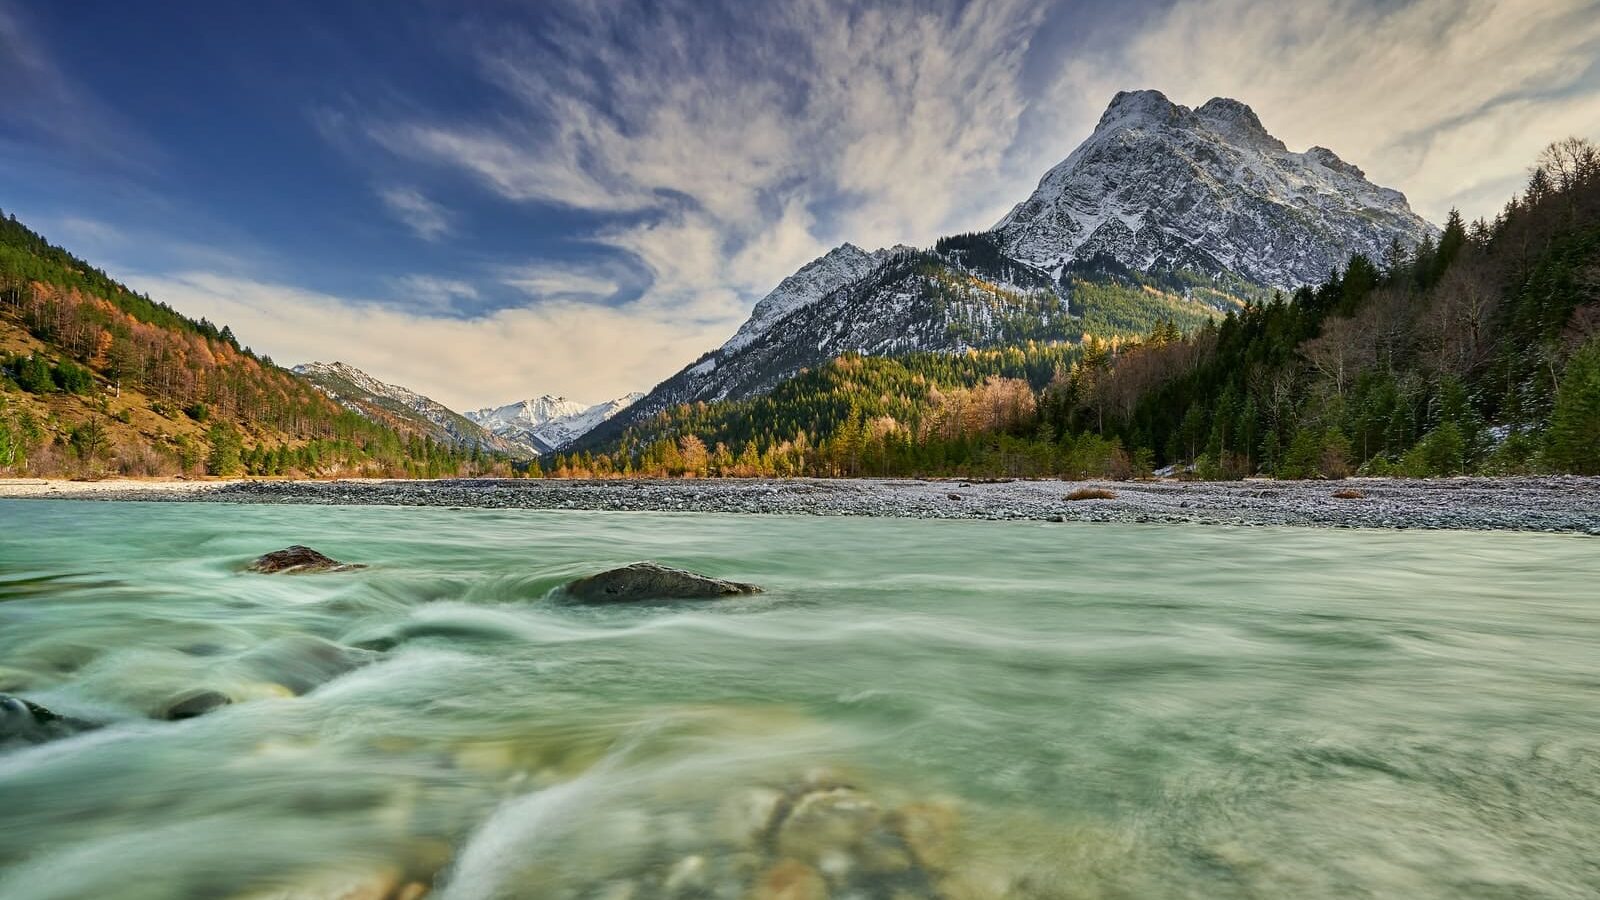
(912, 709)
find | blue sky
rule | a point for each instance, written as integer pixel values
(491, 200)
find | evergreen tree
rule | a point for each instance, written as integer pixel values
(1575, 423)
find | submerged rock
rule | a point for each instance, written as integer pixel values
(379, 883)
(194, 703)
(791, 880)
(302, 662)
(25, 722)
(653, 581)
(298, 560)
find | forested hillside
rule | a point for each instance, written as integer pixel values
(1476, 353)
(98, 379)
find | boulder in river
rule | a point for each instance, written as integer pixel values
(298, 560)
(653, 581)
(25, 722)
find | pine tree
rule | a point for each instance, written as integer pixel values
(1575, 423)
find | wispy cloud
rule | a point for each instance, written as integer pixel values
(428, 219)
(432, 293)
(546, 282)
(737, 162)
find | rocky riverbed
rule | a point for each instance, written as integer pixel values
(1550, 504)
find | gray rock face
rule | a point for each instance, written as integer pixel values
(653, 581)
(1158, 185)
(298, 560)
(25, 722)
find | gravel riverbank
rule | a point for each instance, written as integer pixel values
(1553, 504)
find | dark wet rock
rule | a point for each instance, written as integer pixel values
(298, 560)
(653, 581)
(195, 703)
(25, 722)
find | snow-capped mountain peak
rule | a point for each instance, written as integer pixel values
(548, 423)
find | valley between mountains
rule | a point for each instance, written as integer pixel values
(1182, 295)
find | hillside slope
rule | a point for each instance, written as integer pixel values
(96, 379)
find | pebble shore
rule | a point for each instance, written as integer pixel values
(1547, 504)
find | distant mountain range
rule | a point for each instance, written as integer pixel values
(1163, 213)
(522, 430)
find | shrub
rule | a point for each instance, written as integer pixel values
(1441, 451)
(73, 378)
(34, 376)
(1518, 454)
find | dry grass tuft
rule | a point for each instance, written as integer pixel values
(1348, 494)
(1092, 493)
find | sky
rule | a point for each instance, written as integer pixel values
(495, 200)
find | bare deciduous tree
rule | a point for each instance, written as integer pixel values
(1340, 352)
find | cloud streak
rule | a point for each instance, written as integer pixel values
(427, 219)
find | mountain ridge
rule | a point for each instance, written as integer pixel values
(402, 408)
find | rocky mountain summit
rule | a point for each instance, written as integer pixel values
(1158, 185)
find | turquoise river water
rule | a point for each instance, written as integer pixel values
(912, 709)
